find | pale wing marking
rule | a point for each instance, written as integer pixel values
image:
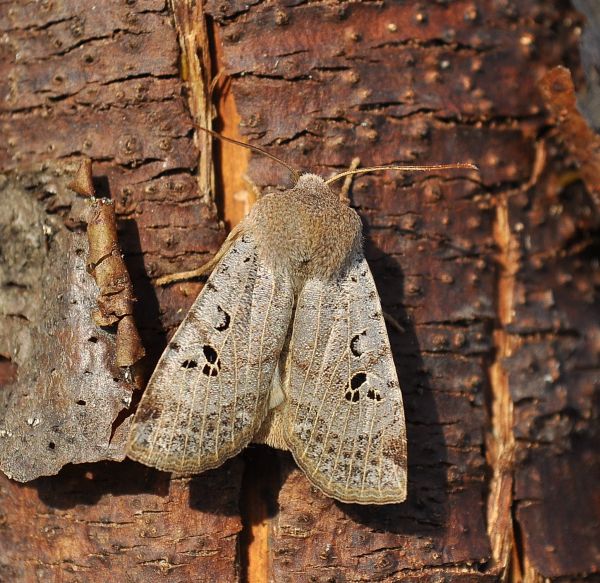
(317, 328)
(326, 394)
(366, 464)
(262, 341)
(209, 378)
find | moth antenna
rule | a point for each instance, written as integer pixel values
(410, 168)
(253, 148)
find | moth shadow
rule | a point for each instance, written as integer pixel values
(146, 310)
(218, 491)
(215, 492)
(426, 507)
(87, 484)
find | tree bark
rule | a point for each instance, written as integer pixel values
(493, 278)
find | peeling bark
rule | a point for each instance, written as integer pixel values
(68, 388)
(580, 140)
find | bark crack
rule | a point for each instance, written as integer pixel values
(500, 440)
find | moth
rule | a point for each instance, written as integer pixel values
(286, 345)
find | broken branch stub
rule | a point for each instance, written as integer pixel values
(581, 141)
(116, 297)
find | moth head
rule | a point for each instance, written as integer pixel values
(313, 183)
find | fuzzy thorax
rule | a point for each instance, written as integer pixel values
(305, 231)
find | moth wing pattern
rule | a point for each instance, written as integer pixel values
(210, 390)
(344, 419)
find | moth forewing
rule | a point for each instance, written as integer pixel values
(344, 418)
(210, 391)
(336, 402)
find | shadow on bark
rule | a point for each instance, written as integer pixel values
(425, 508)
(86, 484)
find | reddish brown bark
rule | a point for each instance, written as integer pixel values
(493, 279)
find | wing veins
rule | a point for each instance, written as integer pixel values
(229, 332)
(175, 425)
(339, 451)
(317, 329)
(309, 440)
(369, 442)
(360, 403)
(325, 351)
(235, 390)
(260, 352)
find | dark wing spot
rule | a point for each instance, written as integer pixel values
(189, 364)
(352, 396)
(357, 380)
(210, 353)
(354, 344)
(373, 395)
(174, 346)
(211, 286)
(224, 324)
(213, 364)
(247, 259)
(210, 371)
(352, 391)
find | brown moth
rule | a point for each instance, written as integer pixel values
(286, 344)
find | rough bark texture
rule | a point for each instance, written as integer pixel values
(493, 280)
(104, 80)
(65, 401)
